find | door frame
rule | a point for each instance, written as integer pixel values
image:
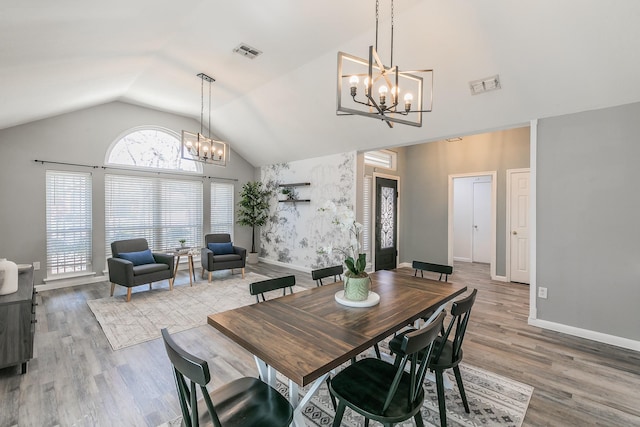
(374, 193)
(510, 172)
(494, 192)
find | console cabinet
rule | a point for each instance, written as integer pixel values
(17, 322)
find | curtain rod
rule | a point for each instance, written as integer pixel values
(135, 170)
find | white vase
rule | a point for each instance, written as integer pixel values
(8, 277)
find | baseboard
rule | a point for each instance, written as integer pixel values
(585, 333)
(500, 278)
(68, 283)
(284, 264)
(405, 264)
(457, 258)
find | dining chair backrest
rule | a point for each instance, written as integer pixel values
(460, 312)
(417, 346)
(189, 367)
(436, 268)
(322, 273)
(259, 288)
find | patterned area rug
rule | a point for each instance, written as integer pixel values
(185, 307)
(494, 400)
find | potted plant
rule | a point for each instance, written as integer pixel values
(253, 211)
(182, 242)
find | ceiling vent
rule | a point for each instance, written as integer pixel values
(485, 85)
(247, 51)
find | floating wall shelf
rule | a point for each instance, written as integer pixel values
(294, 194)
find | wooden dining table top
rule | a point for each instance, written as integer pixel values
(306, 334)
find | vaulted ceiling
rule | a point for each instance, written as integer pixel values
(553, 57)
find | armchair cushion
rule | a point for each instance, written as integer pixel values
(138, 258)
(221, 248)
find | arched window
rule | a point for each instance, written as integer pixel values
(150, 148)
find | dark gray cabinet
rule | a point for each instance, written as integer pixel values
(17, 322)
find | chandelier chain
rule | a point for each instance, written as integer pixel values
(377, 16)
(209, 125)
(201, 103)
(391, 33)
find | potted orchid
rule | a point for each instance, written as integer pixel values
(357, 282)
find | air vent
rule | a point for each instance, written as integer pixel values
(485, 85)
(247, 51)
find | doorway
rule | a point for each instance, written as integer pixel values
(386, 223)
(472, 218)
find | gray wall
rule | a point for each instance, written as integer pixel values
(81, 137)
(588, 202)
(424, 193)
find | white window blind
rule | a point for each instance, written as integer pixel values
(160, 210)
(381, 158)
(222, 208)
(366, 215)
(69, 222)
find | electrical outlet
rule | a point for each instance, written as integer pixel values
(542, 292)
(36, 265)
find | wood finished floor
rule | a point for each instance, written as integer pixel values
(76, 379)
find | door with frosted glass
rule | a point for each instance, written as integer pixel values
(386, 226)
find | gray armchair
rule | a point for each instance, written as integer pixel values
(140, 268)
(234, 258)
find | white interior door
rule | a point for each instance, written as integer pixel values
(482, 222)
(519, 221)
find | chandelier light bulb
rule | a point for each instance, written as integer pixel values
(407, 102)
(353, 82)
(205, 148)
(383, 94)
(366, 86)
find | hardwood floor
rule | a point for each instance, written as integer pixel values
(76, 379)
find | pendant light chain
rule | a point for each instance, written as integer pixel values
(201, 103)
(391, 33)
(377, 16)
(209, 125)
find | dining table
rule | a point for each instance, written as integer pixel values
(306, 335)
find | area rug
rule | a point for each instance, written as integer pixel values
(494, 400)
(129, 323)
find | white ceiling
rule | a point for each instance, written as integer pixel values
(553, 57)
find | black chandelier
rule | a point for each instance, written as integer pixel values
(389, 83)
(200, 148)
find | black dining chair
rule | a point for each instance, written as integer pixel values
(447, 353)
(322, 273)
(259, 288)
(244, 402)
(384, 392)
(435, 268)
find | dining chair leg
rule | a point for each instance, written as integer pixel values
(333, 398)
(366, 422)
(441, 403)
(418, 419)
(113, 287)
(377, 350)
(463, 395)
(337, 420)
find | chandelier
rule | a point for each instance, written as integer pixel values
(371, 89)
(200, 148)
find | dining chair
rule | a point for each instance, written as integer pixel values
(259, 288)
(436, 268)
(244, 402)
(383, 392)
(447, 353)
(322, 273)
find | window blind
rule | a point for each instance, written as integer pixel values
(222, 208)
(160, 210)
(366, 215)
(68, 222)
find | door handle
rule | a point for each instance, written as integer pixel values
(515, 232)
(475, 226)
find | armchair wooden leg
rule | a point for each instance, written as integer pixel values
(128, 294)
(203, 272)
(243, 272)
(171, 280)
(113, 287)
(210, 276)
